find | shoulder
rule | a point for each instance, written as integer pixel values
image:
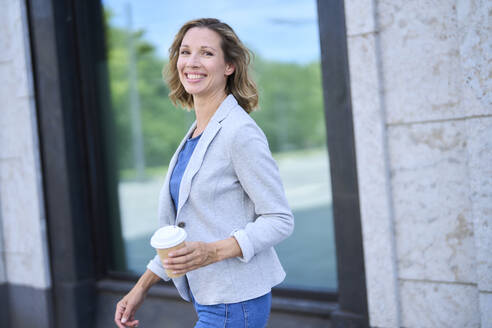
(240, 127)
(245, 140)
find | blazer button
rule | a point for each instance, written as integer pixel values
(181, 224)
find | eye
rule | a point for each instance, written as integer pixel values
(208, 53)
(183, 52)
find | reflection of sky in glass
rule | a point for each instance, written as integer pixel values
(269, 28)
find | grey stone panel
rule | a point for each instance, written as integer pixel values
(374, 181)
(485, 309)
(433, 217)
(437, 304)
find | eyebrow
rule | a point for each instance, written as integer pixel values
(187, 46)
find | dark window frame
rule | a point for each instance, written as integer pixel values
(352, 297)
(66, 45)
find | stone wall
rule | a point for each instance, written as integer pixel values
(421, 79)
(24, 266)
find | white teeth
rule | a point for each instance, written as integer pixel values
(195, 76)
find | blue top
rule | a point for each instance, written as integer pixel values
(179, 168)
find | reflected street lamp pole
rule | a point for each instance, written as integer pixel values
(136, 122)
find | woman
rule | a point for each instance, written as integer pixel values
(223, 187)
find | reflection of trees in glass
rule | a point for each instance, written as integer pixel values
(162, 123)
(291, 105)
(291, 112)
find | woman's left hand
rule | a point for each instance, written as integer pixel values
(192, 256)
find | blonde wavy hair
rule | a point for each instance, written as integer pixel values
(235, 52)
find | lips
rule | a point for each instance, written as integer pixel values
(195, 76)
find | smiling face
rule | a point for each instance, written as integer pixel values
(201, 66)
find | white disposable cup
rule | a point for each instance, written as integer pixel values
(166, 240)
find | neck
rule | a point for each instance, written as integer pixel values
(205, 108)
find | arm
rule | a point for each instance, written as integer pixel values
(126, 308)
(225, 249)
(198, 254)
(258, 174)
(147, 280)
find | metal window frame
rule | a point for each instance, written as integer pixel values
(352, 297)
(65, 48)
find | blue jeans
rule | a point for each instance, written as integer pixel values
(252, 313)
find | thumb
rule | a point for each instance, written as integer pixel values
(128, 313)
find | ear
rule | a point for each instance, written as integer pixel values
(229, 69)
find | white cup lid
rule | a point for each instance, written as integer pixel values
(168, 236)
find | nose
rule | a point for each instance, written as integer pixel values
(194, 60)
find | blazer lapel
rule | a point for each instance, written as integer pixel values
(166, 204)
(196, 158)
(195, 162)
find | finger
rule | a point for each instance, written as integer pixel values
(192, 265)
(182, 251)
(127, 314)
(133, 320)
(183, 271)
(192, 262)
(119, 324)
(120, 308)
(118, 314)
(185, 262)
(181, 267)
(179, 260)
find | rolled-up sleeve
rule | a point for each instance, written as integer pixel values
(246, 246)
(259, 176)
(156, 267)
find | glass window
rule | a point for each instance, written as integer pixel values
(283, 35)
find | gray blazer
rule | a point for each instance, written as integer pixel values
(231, 187)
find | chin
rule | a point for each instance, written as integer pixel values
(195, 92)
(192, 92)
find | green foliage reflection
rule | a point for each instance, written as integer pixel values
(291, 109)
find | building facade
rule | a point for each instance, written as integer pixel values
(421, 91)
(408, 104)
